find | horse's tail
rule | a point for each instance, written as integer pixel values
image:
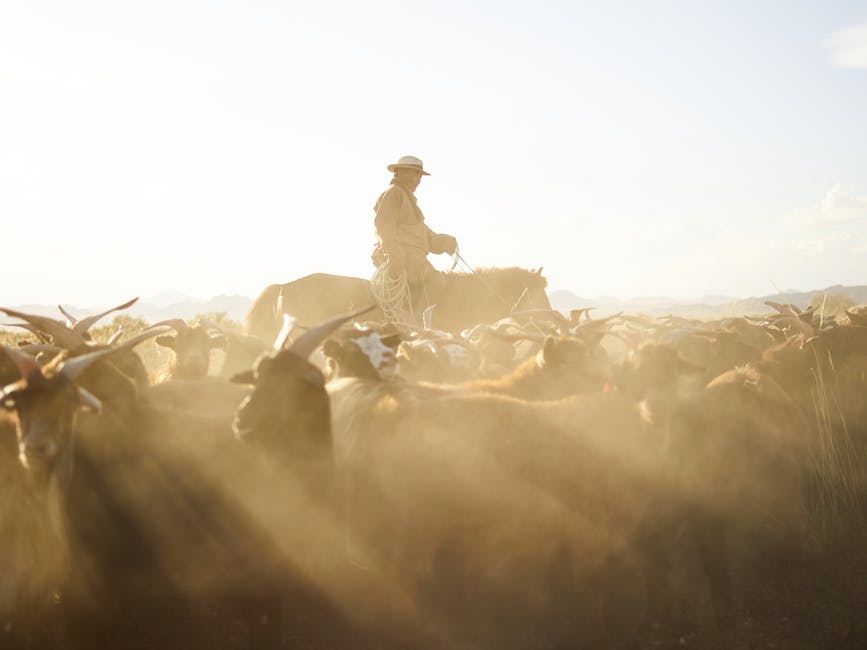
(263, 319)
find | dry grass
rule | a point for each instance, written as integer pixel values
(838, 466)
(156, 358)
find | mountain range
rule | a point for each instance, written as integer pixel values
(704, 307)
(173, 304)
(166, 304)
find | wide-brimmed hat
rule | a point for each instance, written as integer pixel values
(408, 162)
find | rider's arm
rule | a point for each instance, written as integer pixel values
(440, 243)
(387, 210)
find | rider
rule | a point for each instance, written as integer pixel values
(403, 238)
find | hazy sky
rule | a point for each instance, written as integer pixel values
(632, 148)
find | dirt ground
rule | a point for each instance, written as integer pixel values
(818, 602)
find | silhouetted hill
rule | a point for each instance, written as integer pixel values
(235, 307)
(705, 307)
(164, 305)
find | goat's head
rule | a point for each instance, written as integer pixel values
(45, 400)
(192, 346)
(361, 352)
(288, 411)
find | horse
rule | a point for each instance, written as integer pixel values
(467, 299)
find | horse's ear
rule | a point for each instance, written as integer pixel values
(539, 270)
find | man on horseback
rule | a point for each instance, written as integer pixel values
(403, 238)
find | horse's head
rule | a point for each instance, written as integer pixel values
(533, 294)
(488, 295)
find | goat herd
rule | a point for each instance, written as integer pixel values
(540, 481)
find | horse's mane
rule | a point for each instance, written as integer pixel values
(508, 275)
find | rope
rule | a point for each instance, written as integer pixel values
(470, 269)
(394, 298)
(463, 262)
(456, 257)
(392, 295)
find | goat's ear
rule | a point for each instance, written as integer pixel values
(218, 341)
(246, 377)
(166, 341)
(392, 340)
(332, 349)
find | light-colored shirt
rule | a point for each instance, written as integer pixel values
(402, 232)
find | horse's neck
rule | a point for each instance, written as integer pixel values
(472, 292)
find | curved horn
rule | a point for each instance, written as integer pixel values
(34, 349)
(89, 400)
(576, 314)
(427, 317)
(77, 365)
(311, 339)
(81, 326)
(797, 324)
(278, 306)
(70, 319)
(144, 335)
(178, 324)
(475, 331)
(30, 328)
(595, 324)
(285, 331)
(61, 334)
(779, 308)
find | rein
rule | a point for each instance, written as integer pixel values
(511, 306)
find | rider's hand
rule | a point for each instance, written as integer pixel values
(450, 244)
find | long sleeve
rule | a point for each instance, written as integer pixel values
(439, 243)
(435, 242)
(386, 220)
